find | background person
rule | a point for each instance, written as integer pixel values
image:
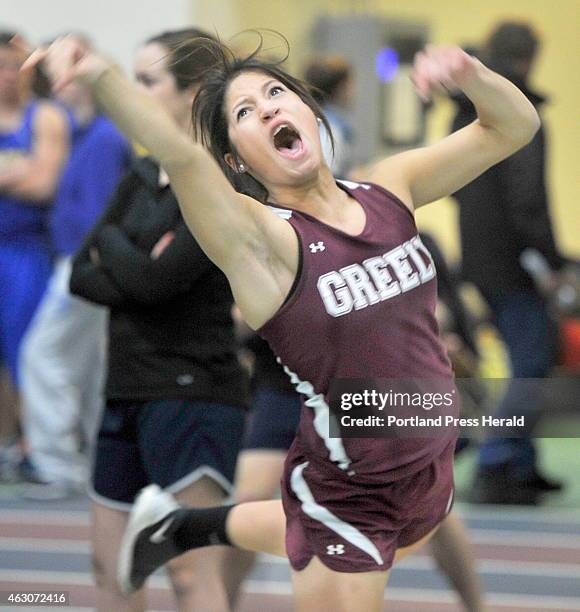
(63, 354)
(502, 213)
(33, 149)
(175, 391)
(332, 81)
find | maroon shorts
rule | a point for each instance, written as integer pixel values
(354, 527)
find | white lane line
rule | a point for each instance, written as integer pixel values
(507, 568)
(20, 544)
(68, 609)
(496, 513)
(512, 513)
(530, 539)
(505, 537)
(484, 566)
(534, 602)
(54, 578)
(413, 563)
(51, 517)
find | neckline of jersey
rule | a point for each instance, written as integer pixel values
(349, 191)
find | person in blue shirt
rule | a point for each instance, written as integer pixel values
(62, 356)
(33, 148)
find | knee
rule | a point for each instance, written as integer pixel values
(105, 577)
(182, 575)
(197, 581)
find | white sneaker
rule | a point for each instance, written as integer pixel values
(147, 543)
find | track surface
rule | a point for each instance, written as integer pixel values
(529, 560)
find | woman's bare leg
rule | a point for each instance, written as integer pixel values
(108, 526)
(258, 526)
(258, 476)
(452, 551)
(196, 576)
(318, 588)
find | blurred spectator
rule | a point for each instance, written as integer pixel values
(175, 391)
(33, 148)
(332, 85)
(502, 213)
(62, 355)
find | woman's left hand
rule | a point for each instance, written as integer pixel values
(442, 70)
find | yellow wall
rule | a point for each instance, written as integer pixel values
(453, 21)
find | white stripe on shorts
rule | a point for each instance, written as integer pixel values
(319, 513)
(448, 508)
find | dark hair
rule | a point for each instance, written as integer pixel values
(326, 74)
(209, 119)
(511, 41)
(5, 37)
(190, 56)
(40, 85)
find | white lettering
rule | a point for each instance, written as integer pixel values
(408, 278)
(378, 278)
(337, 301)
(426, 273)
(360, 285)
(382, 278)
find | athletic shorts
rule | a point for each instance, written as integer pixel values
(354, 527)
(172, 443)
(273, 420)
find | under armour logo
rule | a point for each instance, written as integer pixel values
(316, 248)
(335, 549)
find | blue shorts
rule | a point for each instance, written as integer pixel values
(172, 443)
(24, 271)
(273, 420)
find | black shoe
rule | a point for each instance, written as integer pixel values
(147, 543)
(496, 487)
(540, 483)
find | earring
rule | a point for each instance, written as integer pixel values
(319, 120)
(241, 168)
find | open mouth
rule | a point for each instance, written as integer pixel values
(287, 141)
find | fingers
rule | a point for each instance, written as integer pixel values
(60, 60)
(439, 70)
(37, 56)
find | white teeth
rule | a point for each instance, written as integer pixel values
(279, 128)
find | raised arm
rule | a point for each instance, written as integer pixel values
(506, 121)
(257, 251)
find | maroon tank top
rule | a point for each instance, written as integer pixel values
(361, 307)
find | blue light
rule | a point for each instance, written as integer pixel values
(386, 64)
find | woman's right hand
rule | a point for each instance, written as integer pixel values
(68, 59)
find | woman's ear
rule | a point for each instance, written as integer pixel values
(236, 166)
(191, 93)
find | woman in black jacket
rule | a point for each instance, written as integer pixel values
(175, 391)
